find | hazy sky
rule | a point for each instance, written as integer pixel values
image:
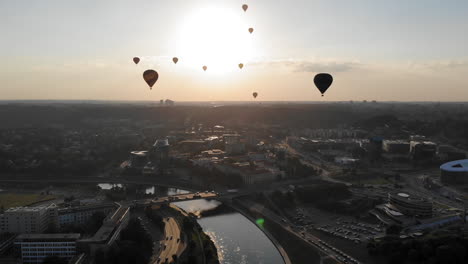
(409, 50)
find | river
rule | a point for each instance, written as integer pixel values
(238, 240)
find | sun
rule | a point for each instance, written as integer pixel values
(217, 38)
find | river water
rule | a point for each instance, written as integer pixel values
(237, 240)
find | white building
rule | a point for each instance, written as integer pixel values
(35, 248)
(28, 220)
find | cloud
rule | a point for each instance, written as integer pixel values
(301, 66)
(334, 66)
(440, 65)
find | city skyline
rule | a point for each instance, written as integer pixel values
(376, 50)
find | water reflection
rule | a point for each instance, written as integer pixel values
(237, 239)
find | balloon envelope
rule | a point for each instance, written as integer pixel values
(175, 60)
(245, 7)
(323, 81)
(251, 30)
(205, 68)
(136, 60)
(241, 66)
(255, 94)
(150, 77)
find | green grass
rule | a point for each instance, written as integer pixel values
(14, 200)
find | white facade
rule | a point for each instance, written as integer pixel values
(28, 220)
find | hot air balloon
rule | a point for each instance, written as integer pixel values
(245, 7)
(175, 60)
(205, 68)
(255, 94)
(241, 66)
(150, 77)
(136, 60)
(323, 81)
(251, 30)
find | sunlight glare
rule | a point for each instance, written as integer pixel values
(217, 38)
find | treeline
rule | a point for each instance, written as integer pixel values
(201, 248)
(134, 247)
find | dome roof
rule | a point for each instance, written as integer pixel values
(456, 166)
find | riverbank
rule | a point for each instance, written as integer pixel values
(251, 218)
(291, 248)
(200, 248)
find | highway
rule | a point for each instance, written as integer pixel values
(171, 243)
(312, 161)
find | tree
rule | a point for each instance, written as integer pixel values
(54, 260)
(393, 230)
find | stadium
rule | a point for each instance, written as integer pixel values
(454, 172)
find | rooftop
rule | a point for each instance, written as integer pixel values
(139, 153)
(161, 143)
(456, 166)
(29, 209)
(48, 236)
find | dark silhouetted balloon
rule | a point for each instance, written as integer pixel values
(150, 77)
(136, 60)
(241, 66)
(245, 7)
(255, 94)
(175, 60)
(205, 68)
(251, 30)
(323, 81)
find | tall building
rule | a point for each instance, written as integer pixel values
(152, 161)
(35, 248)
(29, 220)
(159, 153)
(396, 146)
(138, 159)
(423, 150)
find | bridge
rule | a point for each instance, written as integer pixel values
(176, 198)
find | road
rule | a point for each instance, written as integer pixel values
(184, 197)
(171, 243)
(312, 161)
(11, 178)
